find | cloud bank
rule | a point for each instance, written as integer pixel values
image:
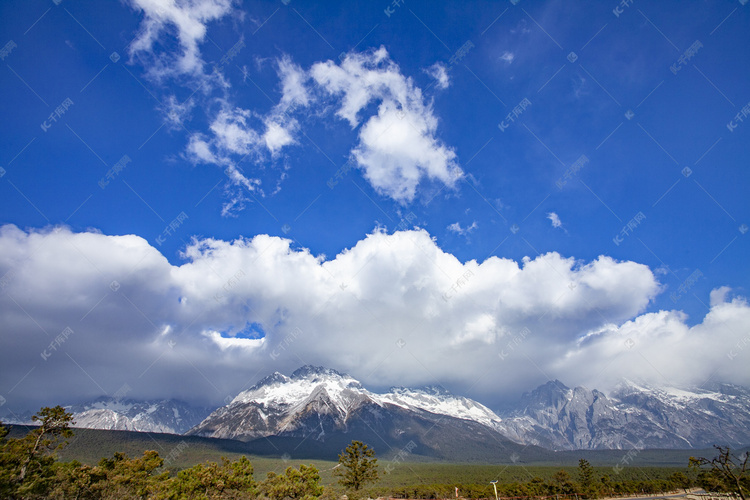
(392, 310)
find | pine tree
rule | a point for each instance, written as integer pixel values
(26, 464)
(589, 488)
(359, 466)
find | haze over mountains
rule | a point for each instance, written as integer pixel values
(326, 409)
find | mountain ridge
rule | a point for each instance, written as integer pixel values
(325, 405)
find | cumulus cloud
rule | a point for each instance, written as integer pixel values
(555, 219)
(398, 147)
(293, 78)
(719, 295)
(394, 309)
(660, 347)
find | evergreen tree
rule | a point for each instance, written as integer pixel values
(211, 480)
(302, 484)
(26, 464)
(359, 466)
(588, 487)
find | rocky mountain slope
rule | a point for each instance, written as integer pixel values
(325, 409)
(168, 416)
(632, 416)
(318, 403)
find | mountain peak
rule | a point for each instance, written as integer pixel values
(432, 390)
(551, 394)
(274, 378)
(436, 390)
(549, 389)
(308, 371)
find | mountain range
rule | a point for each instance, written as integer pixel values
(323, 409)
(632, 416)
(319, 410)
(162, 416)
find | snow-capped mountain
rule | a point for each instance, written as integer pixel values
(167, 416)
(441, 402)
(316, 403)
(339, 394)
(323, 409)
(632, 416)
(326, 409)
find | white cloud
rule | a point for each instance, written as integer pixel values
(199, 150)
(293, 78)
(233, 133)
(480, 330)
(184, 19)
(175, 112)
(397, 150)
(555, 219)
(348, 312)
(719, 295)
(660, 348)
(398, 147)
(507, 57)
(439, 73)
(276, 136)
(456, 228)
(361, 78)
(234, 138)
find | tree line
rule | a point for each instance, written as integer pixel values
(29, 470)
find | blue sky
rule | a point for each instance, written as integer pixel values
(523, 131)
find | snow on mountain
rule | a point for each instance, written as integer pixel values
(552, 415)
(167, 416)
(282, 391)
(311, 397)
(441, 402)
(279, 390)
(278, 403)
(321, 410)
(632, 416)
(317, 403)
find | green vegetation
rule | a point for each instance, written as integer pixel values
(294, 484)
(34, 465)
(29, 470)
(520, 481)
(26, 464)
(359, 466)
